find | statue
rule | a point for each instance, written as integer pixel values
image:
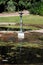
(21, 22)
(21, 33)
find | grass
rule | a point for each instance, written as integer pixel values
(24, 27)
(30, 19)
(33, 19)
(9, 19)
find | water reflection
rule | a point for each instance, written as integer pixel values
(20, 55)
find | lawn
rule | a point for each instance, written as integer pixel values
(30, 19)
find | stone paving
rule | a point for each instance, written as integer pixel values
(40, 31)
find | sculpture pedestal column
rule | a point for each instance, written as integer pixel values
(21, 35)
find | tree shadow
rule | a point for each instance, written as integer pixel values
(2, 7)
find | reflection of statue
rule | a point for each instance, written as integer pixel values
(21, 22)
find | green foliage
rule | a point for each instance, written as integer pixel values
(41, 9)
(21, 5)
(37, 8)
(34, 6)
(10, 6)
(2, 1)
(28, 5)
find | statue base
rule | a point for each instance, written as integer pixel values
(20, 35)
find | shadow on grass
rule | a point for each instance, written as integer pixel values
(20, 55)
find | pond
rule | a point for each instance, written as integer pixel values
(26, 51)
(20, 54)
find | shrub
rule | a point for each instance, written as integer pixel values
(10, 6)
(28, 5)
(37, 8)
(21, 5)
(41, 9)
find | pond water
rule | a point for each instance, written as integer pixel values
(26, 51)
(20, 55)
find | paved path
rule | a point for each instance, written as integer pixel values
(40, 31)
(25, 12)
(7, 23)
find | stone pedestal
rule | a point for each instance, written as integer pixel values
(20, 35)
